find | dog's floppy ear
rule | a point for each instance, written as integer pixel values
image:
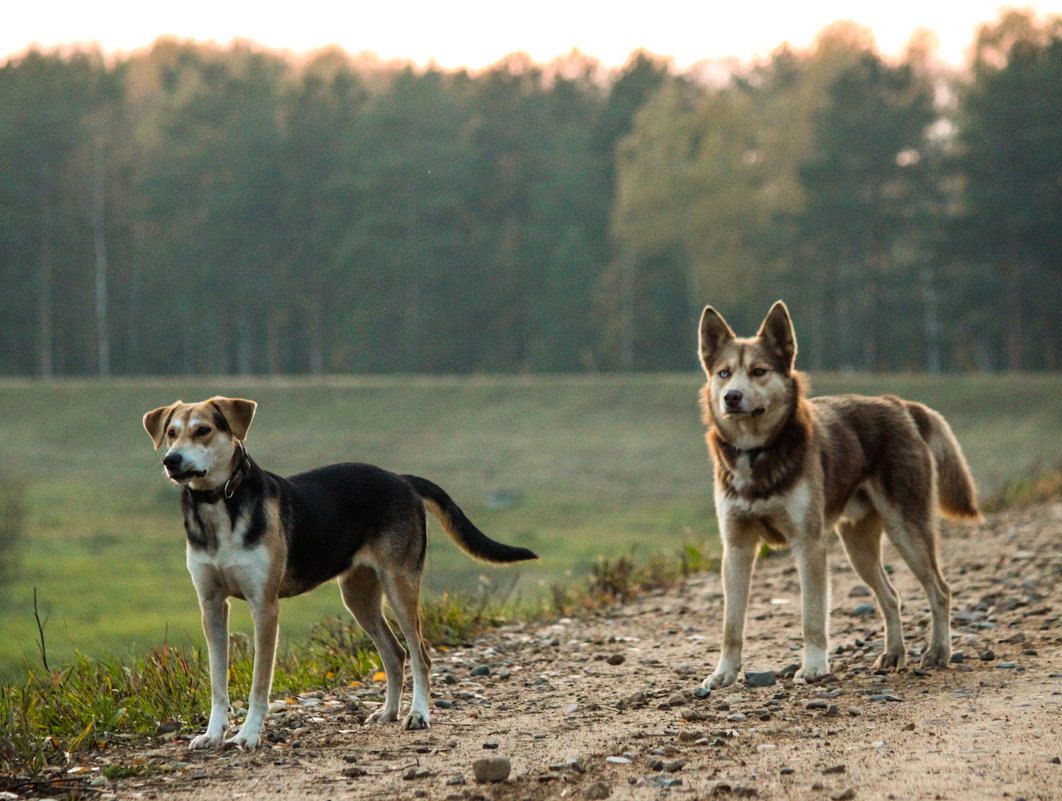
(777, 333)
(156, 421)
(714, 334)
(237, 412)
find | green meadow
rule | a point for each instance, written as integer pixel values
(576, 468)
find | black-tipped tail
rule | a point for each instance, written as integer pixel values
(462, 530)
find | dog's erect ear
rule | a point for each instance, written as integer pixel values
(156, 421)
(777, 333)
(238, 413)
(714, 334)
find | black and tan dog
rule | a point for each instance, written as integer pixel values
(257, 536)
(789, 468)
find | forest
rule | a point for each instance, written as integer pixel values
(203, 209)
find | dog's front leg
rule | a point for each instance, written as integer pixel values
(810, 552)
(215, 611)
(739, 558)
(265, 613)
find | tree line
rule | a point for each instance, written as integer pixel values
(198, 209)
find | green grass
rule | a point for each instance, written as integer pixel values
(600, 466)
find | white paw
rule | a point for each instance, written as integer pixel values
(245, 740)
(383, 715)
(813, 670)
(205, 741)
(723, 677)
(416, 720)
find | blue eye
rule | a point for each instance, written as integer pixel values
(724, 374)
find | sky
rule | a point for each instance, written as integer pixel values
(476, 33)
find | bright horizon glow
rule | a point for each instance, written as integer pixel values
(477, 33)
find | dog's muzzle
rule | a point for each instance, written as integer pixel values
(174, 466)
(733, 405)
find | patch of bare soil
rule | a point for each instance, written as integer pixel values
(608, 706)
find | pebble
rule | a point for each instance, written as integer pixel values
(598, 791)
(842, 795)
(691, 714)
(864, 610)
(481, 670)
(618, 760)
(492, 768)
(764, 678)
(616, 659)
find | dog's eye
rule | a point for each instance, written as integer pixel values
(759, 372)
(171, 433)
(724, 374)
(202, 431)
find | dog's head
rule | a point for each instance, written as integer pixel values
(202, 439)
(749, 387)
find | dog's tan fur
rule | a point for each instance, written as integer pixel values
(257, 536)
(789, 468)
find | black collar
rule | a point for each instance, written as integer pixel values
(752, 454)
(228, 489)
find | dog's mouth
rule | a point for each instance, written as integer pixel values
(742, 413)
(186, 475)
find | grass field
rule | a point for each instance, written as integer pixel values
(586, 466)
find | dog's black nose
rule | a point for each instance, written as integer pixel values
(172, 461)
(733, 397)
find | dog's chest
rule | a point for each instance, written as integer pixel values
(227, 562)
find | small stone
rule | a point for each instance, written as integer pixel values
(737, 717)
(701, 692)
(674, 765)
(455, 781)
(677, 700)
(834, 770)
(855, 711)
(909, 727)
(618, 760)
(492, 768)
(842, 795)
(616, 659)
(816, 704)
(764, 678)
(690, 714)
(787, 771)
(859, 591)
(864, 610)
(1006, 666)
(481, 670)
(442, 703)
(987, 655)
(411, 773)
(598, 791)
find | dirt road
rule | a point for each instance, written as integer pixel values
(605, 707)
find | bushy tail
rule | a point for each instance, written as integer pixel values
(462, 530)
(956, 490)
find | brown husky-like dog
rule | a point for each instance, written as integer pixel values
(257, 536)
(789, 468)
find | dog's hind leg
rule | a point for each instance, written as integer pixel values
(403, 593)
(862, 542)
(363, 596)
(916, 543)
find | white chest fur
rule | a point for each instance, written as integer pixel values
(231, 568)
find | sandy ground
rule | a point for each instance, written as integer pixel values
(605, 706)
